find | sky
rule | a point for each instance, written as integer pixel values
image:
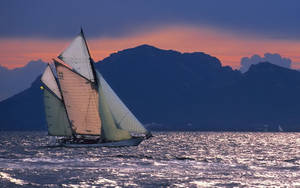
(229, 30)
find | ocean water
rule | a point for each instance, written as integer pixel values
(174, 159)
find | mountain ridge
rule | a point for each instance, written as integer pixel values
(169, 90)
(13, 81)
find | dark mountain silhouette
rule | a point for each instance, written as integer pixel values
(24, 111)
(165, 86)
(169, 90)
(16, 80)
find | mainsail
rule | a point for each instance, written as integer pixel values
(81, 101)
(78, 57)
(56, 116)
(122, 115)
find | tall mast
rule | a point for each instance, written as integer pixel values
(91, 60)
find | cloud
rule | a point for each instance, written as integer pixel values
(275, 59)
(61, 19)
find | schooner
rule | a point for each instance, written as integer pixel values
(81, 109)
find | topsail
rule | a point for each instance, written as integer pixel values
(78, 57)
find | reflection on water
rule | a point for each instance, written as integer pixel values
(194, 159)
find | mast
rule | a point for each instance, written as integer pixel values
(90, 58)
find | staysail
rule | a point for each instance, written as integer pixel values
(78, 57)
(56, 115)
(81, 101)
(110, 130)
(122, 115)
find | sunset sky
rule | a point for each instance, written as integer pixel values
(228, 30)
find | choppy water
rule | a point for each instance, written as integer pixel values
(182, 159)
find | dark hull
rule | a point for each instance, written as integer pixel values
(123, 143)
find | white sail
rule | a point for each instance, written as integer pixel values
(81, 101)
(77, 56)
(49, 80)
(56, 115)
(110, 130)
(121, 114)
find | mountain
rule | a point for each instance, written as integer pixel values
(16, 80)
(165, 86)
(270, 95)
(169, 90)
(24, 111)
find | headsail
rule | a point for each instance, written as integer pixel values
(81, 101)
(121, 114)
(56, 115)
(78, 57)
(110, 130)
(49, 80)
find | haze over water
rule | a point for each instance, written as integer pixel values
(194, 159)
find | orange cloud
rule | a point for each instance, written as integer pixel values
(226, 46)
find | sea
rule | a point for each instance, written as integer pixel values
(169, 159)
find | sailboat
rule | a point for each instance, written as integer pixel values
(81, 108)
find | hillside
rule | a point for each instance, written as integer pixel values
(169, 90)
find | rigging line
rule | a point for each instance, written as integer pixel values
(90, 58)
(90, 73)
(124, 116)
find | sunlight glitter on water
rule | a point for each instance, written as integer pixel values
(182, 159)
(7, 176)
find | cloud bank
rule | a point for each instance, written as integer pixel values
(275, 59)
(61, 19)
